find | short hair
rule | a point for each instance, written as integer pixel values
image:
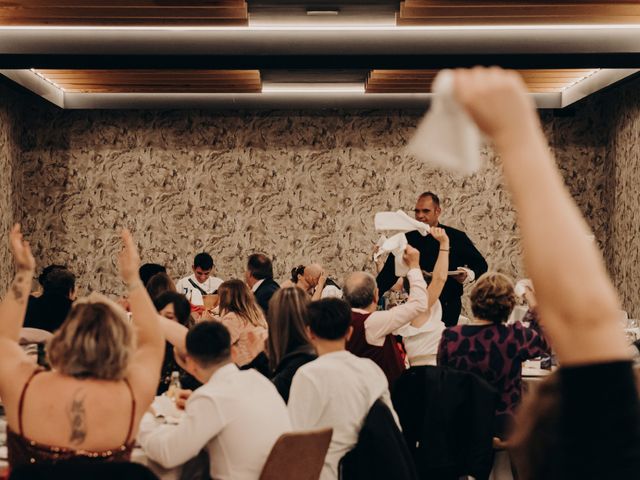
(59, 282)
(493, 297)
(160, 283)
(296, 272)
(181, 306)
(203, 260)
(434, 198)
(47, 270)
(359, 289)
(148, 270)
(329, 318)
(260, 266)
(287, 319)
(95, 341)
(209, 343)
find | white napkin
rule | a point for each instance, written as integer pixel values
(163, 406)
(521, 287)
(447, 136)
(395, 245)
(399, 221)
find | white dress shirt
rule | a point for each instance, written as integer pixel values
(337, 390)
(257, 285)
(237, 415)
(193, 294)
(383, 322)
(421, 343)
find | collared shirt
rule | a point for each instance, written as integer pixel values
(237, 415)
(421, 343)
(192, 293)
(383, 322)
(337, 390)
(257, 285)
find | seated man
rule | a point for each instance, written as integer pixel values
(338, 389)
(50, 310)
(236, 415)
(322, 286)
(202, 282)
(372, 337)
(259, 277)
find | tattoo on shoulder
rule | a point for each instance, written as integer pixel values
(77, 418)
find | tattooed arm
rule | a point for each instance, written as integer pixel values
(14, 303)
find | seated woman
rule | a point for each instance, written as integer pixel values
(491, 349)
(288, 345)
(159, 283)
(103, 378)
(174, 306)
(422, 336)
(239, 312)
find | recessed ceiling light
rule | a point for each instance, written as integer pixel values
(313, 88)
(323, 13)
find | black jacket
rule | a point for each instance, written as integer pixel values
(381, 452)
(447, 418)
(264, 293)
(288, 367)
(462, 253)
(47, 312)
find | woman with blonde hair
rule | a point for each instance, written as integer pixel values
(240, 313)
(104, 374)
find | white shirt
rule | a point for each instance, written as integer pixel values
(257, 285)
(383, 322)
(237, 415)
(193, 294)
(331, 291)
(337, 390)
(421, 344)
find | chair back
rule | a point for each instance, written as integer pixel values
(297, 456)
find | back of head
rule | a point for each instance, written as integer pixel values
(260, 266)
(329, 318)
(493, 297)
(59, 282)
(209, 343)
(287, 319)
(296, 272)
(203, 260)
(160, 283)
(148, 270)
(360, 289)
(181, 306)
(236, 297)
(47, 270)
(95, 341)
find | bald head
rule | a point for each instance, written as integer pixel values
(360, 290)
(312, 274)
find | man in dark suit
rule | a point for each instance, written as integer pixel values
(463, 256)
(259, 277)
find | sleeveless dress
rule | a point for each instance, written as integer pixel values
(22, 450)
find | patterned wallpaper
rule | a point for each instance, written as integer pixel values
(301, 186)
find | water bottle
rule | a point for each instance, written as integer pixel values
(174, 386)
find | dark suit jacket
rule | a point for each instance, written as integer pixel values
(264, 293)
(463, 253)
(47, 312)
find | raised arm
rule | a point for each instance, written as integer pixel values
(439, 275)
(14, 303)
(580, 317)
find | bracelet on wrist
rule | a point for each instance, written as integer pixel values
(444, 249)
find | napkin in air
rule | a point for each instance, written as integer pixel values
(521, 287)
(399, 221)
(395, 245)
(447, 136)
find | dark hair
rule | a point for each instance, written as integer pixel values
(148, 270)
(209, 343)
(203, 260)
(160, 283)
(493, 297)
(296, 272)
(59, 282)
(359, 290)
(47, 270)
(181, 306)
(329, 318)
(434, 198)
(259, 266)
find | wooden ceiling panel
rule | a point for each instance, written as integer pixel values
(420, 81)
(154, 81)
(517, 12)
(123, 12)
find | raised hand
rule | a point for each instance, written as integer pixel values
(440, 235)
(411, 257)
(21, 250)
(129, 259)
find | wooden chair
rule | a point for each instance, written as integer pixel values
(297, 456)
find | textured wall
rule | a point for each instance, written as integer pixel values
(9, 153)
(301, 186)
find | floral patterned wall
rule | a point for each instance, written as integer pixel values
(300, 186)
